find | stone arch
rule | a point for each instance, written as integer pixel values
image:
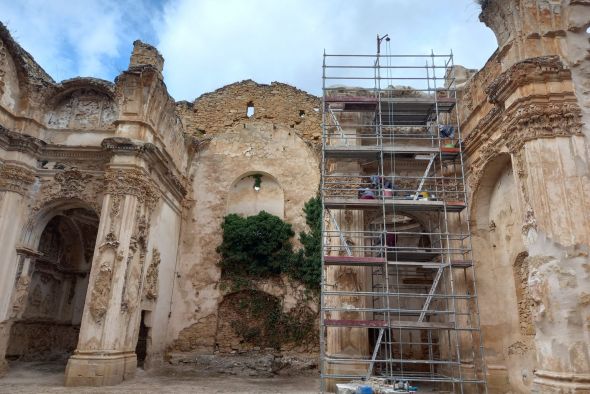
(55, 259)
(498, 248)
(242, 323)
(31, 233)
(481, 197)
(256, 191)
(82, 103)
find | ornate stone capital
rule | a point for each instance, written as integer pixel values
(15, 178)
(119, 182)
(166, 171)
(542, 120)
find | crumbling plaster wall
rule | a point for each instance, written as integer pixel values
(530, 102)
(256, 147)
(277, 103)
(160, 269)
(281, 141)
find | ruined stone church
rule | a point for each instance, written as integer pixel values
(112, 196)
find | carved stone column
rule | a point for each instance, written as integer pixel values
(106, 348)
(14, 185)
(557, 233)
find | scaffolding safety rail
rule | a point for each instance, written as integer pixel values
(398, 293)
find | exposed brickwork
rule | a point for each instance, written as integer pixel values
(279, 103)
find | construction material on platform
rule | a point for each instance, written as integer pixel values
(398, 296)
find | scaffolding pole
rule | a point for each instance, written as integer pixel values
(398, 292)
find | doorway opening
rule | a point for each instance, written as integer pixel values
(49, 326)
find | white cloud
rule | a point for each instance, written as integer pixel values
(210, 43)
(71, 38)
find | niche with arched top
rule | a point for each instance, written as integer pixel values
(254, 192)
(57, 281)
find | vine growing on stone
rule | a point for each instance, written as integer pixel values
(259, 246)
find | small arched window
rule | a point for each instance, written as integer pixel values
(254, 192)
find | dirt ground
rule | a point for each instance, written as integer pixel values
(48, 378)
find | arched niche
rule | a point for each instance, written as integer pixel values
(498, 167)
(51, 286)
(81, 104)
(254, 192)
(502, 271)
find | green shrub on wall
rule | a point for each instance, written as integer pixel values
(259, 246)
(255, 246)
(309, 262)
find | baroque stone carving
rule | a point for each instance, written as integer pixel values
(132, 182)
(21, 291)
(101, 292)
(541, 121)
(83, 109)
(151, 278)
(3, 56)
(526, 71)
(70, 184)
(525, 123)
(15, 178)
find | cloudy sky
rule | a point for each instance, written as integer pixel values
(210, 43)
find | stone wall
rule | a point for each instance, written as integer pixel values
(242, 150)
(525, 138)
(277, 103)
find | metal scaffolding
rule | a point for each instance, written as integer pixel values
(398, 294)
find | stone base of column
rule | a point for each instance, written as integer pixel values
(100, 368)
(551, 382)
(497, 378)
(4, 337)
(3, 367)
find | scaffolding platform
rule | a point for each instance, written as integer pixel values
(397, 110)
(367, 152)
(383, 323)
(392, 204)
(397, 268)
(379, 261)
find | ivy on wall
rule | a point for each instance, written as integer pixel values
(259, 246)
(308, 269)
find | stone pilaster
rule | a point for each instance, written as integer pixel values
(106, 349)
(557, 235)
(15, 182)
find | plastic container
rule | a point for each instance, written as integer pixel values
(364, 390)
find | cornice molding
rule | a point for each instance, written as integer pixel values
(166, 170)
(540, 69)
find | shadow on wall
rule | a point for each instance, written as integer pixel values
(254, 192)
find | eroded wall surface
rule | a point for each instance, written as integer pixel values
(276, 143)
(87, 153)
(528, 171)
